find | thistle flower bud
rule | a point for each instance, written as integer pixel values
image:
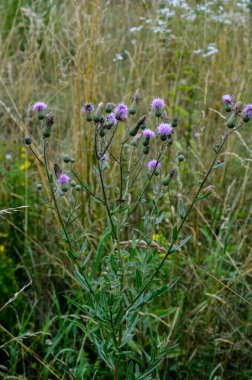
(146, 141)
(72, 183)
(231, 121)
(64, 188)
(174, 122)
(39, 186)
(169, 141)
(102, 131)
(108, 107)
(135, 129)
(78, 187)
(66, 158)
(97, 115)
(132, 109)
(27, 140)
(72, 160)
(89, 117)
(166, 181)
(46, 131)
(181, 157)
(158, 113)
(228, 107)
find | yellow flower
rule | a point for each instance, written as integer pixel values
(2, 248)
(26, 165)
(23, 149)
(155, 237)
(23, 155)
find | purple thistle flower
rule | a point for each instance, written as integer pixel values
(227, 98)
(63, 179)
(148, 133)
(164, 129)
(111, 118)
(87, 107)
(247, 111)
(104, 158)
(153, 164)
(39, 106)
(158, 104)
(121, 111)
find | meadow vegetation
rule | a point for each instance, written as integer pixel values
(65, 53)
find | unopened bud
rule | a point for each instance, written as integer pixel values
(139, 124)
(181, 158)
(132, 109)
(27, 140)
(66, 158)
(102, 132)
(64, 188)
(72, 160)
(146, 141)
(72, 183)
(228, 107)
(89, 116)
(46, 131)
(231, 121)
(174, 122)
(39, 186)
(78, 187)
(158, 112)
(97, 115)
(109, 107)
(166, 181)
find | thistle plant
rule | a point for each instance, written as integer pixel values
(138, 150)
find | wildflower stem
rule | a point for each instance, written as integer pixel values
(86, 188)
(36, 156)
(169, 251)
(60, 218)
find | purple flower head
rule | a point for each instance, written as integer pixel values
(164, 129)
(148, 133)
(158, 104)
(227, 98)
(63, 179)
(111, 118)
(153, 164)
(87, 107)
(247, 111)
(121, 111)
(104, 158)
(39, 106)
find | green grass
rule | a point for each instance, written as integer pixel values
(62, 52)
